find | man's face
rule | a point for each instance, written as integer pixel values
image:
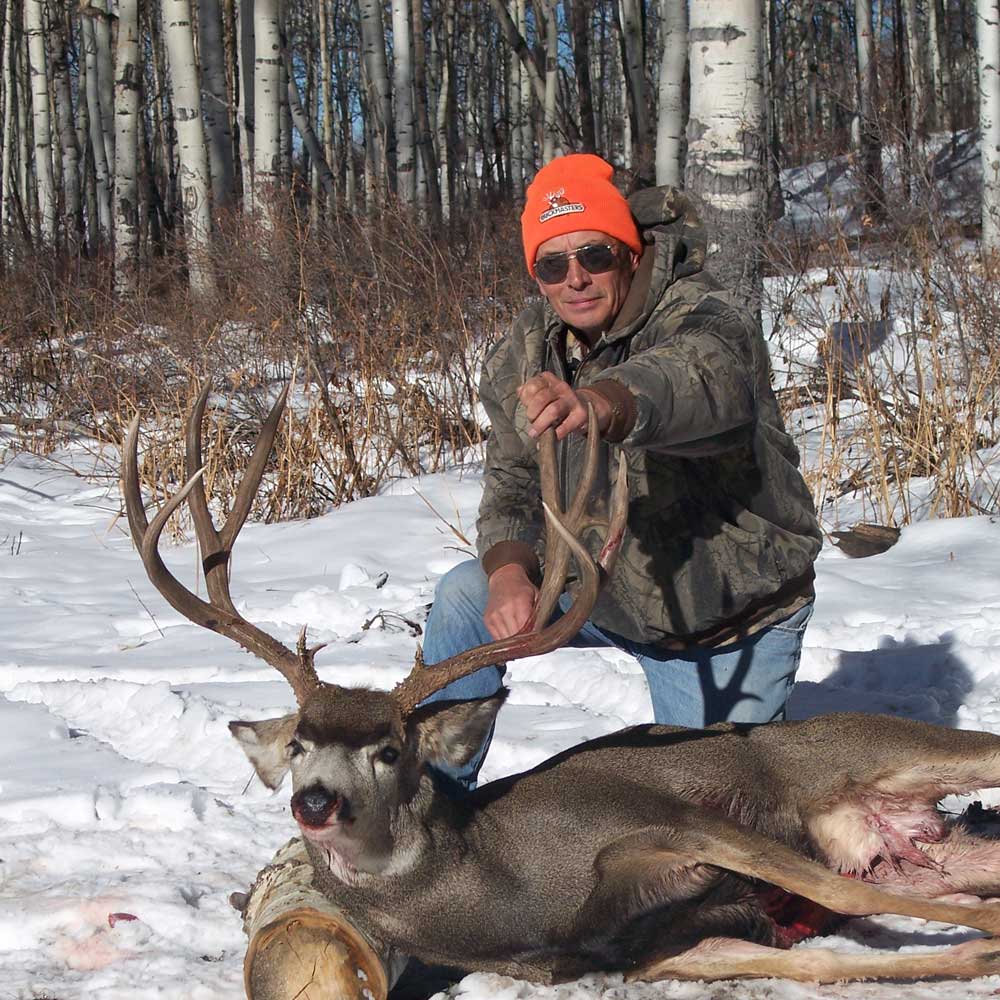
(588, 303)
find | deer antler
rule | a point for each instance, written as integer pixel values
(561, 543)
(218, 613)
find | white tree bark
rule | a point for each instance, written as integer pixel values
(988, 45)
(379, 94)
(633, 45)
(670, 116)
(527, 160)
(215, 104)
(105, 75)
(68, 145)
(937, 65)
(920, 97)
(402, 82)
(445, 43)
(245, 52)
(195, 185)
(128, 76)
(326, 76)
(98, 146)
(41, 119)
(550, 124)
(869, 140)
(472, 88)
(9, 121)
(267, 105)
(303, 125)
(726, 131)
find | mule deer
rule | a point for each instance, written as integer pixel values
(651, 851)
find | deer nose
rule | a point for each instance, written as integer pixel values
(312, 806)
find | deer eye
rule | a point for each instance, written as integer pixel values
(388, 755)
(295, 748)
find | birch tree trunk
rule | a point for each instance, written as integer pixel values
(41, 119)
(936, 65)
(326, 81)
(98, 147)
(578, 17)
(215, 104)
(525, 162)
(195, 185)
(726, 134)
(472, 88)
(105, 77)
(245, 56)
(9, 64)
(670, 115)
(870, 142)
(988, 45)
(919, 96)
(303, 125)
(379, 101)
(631, 23)
(444, 105)
(28, 206)
(284, 110)
(425, 143)
(267, 107)
(551, 80)
(72, 214)
(128, 77)
(402, 82)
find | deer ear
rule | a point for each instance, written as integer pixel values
(450, 732)
(266, 744)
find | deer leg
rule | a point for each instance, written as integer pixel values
(720, 842)
(728, 958)
(695, 838)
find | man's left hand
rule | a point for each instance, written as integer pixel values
(548, 402)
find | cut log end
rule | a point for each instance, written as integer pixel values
(312, 956)
(302, 946)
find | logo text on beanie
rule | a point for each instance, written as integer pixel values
(559, 204)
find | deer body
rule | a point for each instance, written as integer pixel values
(596, 859)
(652, 851)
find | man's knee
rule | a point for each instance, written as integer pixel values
(462, 586)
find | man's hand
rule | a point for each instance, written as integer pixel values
(511, 602)
(550, 402)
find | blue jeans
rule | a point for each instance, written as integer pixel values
(747, 681)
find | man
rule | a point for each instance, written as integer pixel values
(714, 584)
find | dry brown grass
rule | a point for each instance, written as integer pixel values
(381, 327)
(903, 425)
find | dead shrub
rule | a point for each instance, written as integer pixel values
(382, 325)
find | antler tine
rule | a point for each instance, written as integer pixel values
(298, 670)
(216, 545)
(557, 555)
(425, 680)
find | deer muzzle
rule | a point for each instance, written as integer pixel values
(315, 807)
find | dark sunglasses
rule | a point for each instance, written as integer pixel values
(595, 258)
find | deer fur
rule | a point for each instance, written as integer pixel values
(656, 851)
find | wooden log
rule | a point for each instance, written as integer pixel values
(302, 946)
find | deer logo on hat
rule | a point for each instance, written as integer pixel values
(559, 204)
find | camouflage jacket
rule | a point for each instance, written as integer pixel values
(722, 533)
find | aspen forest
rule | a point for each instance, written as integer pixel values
(134, 129)
(333, 186)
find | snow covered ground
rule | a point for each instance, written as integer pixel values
(127, 813)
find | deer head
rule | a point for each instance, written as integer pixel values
(359, 758)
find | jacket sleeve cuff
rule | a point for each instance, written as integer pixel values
(518, 553)
(623, 407)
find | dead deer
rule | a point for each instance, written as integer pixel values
(652, 851)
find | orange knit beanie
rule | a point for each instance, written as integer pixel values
(573, 193)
